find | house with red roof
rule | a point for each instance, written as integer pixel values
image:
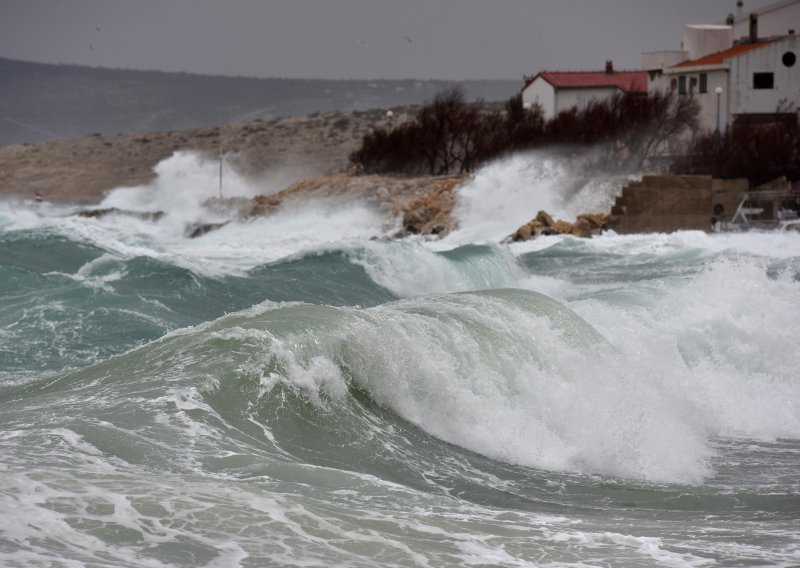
(556, 91)
(732, 77)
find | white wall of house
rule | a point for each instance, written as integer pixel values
(700, 41)
(766, 60)
(554, 101)
(542, 93)
(773, 20)
(659, 82)
(710, 104)
(581, 98)
(660, 60)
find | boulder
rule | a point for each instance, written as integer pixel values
(199, 229)
(586, 225)
(595, 221)
(431, 214)
(523, 233)
(544, 218)
(563, 227)
(100, 213)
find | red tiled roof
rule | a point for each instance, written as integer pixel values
(719, 57)
(626, 81)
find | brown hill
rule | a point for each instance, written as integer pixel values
(82, 170)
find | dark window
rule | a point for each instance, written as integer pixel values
(789, 59)
(703, 83)
(682, 85)
(763, 81)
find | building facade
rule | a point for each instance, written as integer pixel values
(776, 20)
(557, 91)
(735, 71)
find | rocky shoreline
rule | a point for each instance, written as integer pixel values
(315, 147)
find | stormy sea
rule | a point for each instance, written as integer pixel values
(295, 390)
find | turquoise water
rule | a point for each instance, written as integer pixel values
(291, 392)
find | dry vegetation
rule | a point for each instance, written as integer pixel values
(451, 135)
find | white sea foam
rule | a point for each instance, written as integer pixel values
(182, 186)
(312, 227)
(507, 193)
(694, 362)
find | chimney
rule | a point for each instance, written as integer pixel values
(739, 8)
(609, 67)
(753, 27)
(729, 20)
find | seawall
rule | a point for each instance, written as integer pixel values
(673, 203)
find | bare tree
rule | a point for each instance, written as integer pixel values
(451, 135)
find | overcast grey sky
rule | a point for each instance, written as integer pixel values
(351, 39)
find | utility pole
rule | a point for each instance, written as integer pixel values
(220, 170)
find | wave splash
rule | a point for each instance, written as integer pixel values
(509, 374)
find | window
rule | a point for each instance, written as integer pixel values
(703, 83)
(789, 58)
(763, 80)
(682, 85)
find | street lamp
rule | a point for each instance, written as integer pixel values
(718, 90)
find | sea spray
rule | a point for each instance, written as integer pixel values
(507, 193)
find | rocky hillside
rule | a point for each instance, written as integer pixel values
(81, 170)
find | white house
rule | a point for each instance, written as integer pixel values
(698, 41)
(747, 79)
(734, 77)
(556, 91)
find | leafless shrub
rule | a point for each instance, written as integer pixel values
(450, 135)
(759, 150)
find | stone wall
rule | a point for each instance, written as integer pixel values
(662, 204)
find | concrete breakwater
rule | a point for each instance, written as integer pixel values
(663, 204)
(674, 203)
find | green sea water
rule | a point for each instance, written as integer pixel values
(250, 399)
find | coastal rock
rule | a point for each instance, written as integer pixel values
(263, 204)
(524, 233)
(100, 213)
(200, 229)
(424, 205)
(228, 207)
(596, 222)
(432, 214)
(544, 219)
(586, 225)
